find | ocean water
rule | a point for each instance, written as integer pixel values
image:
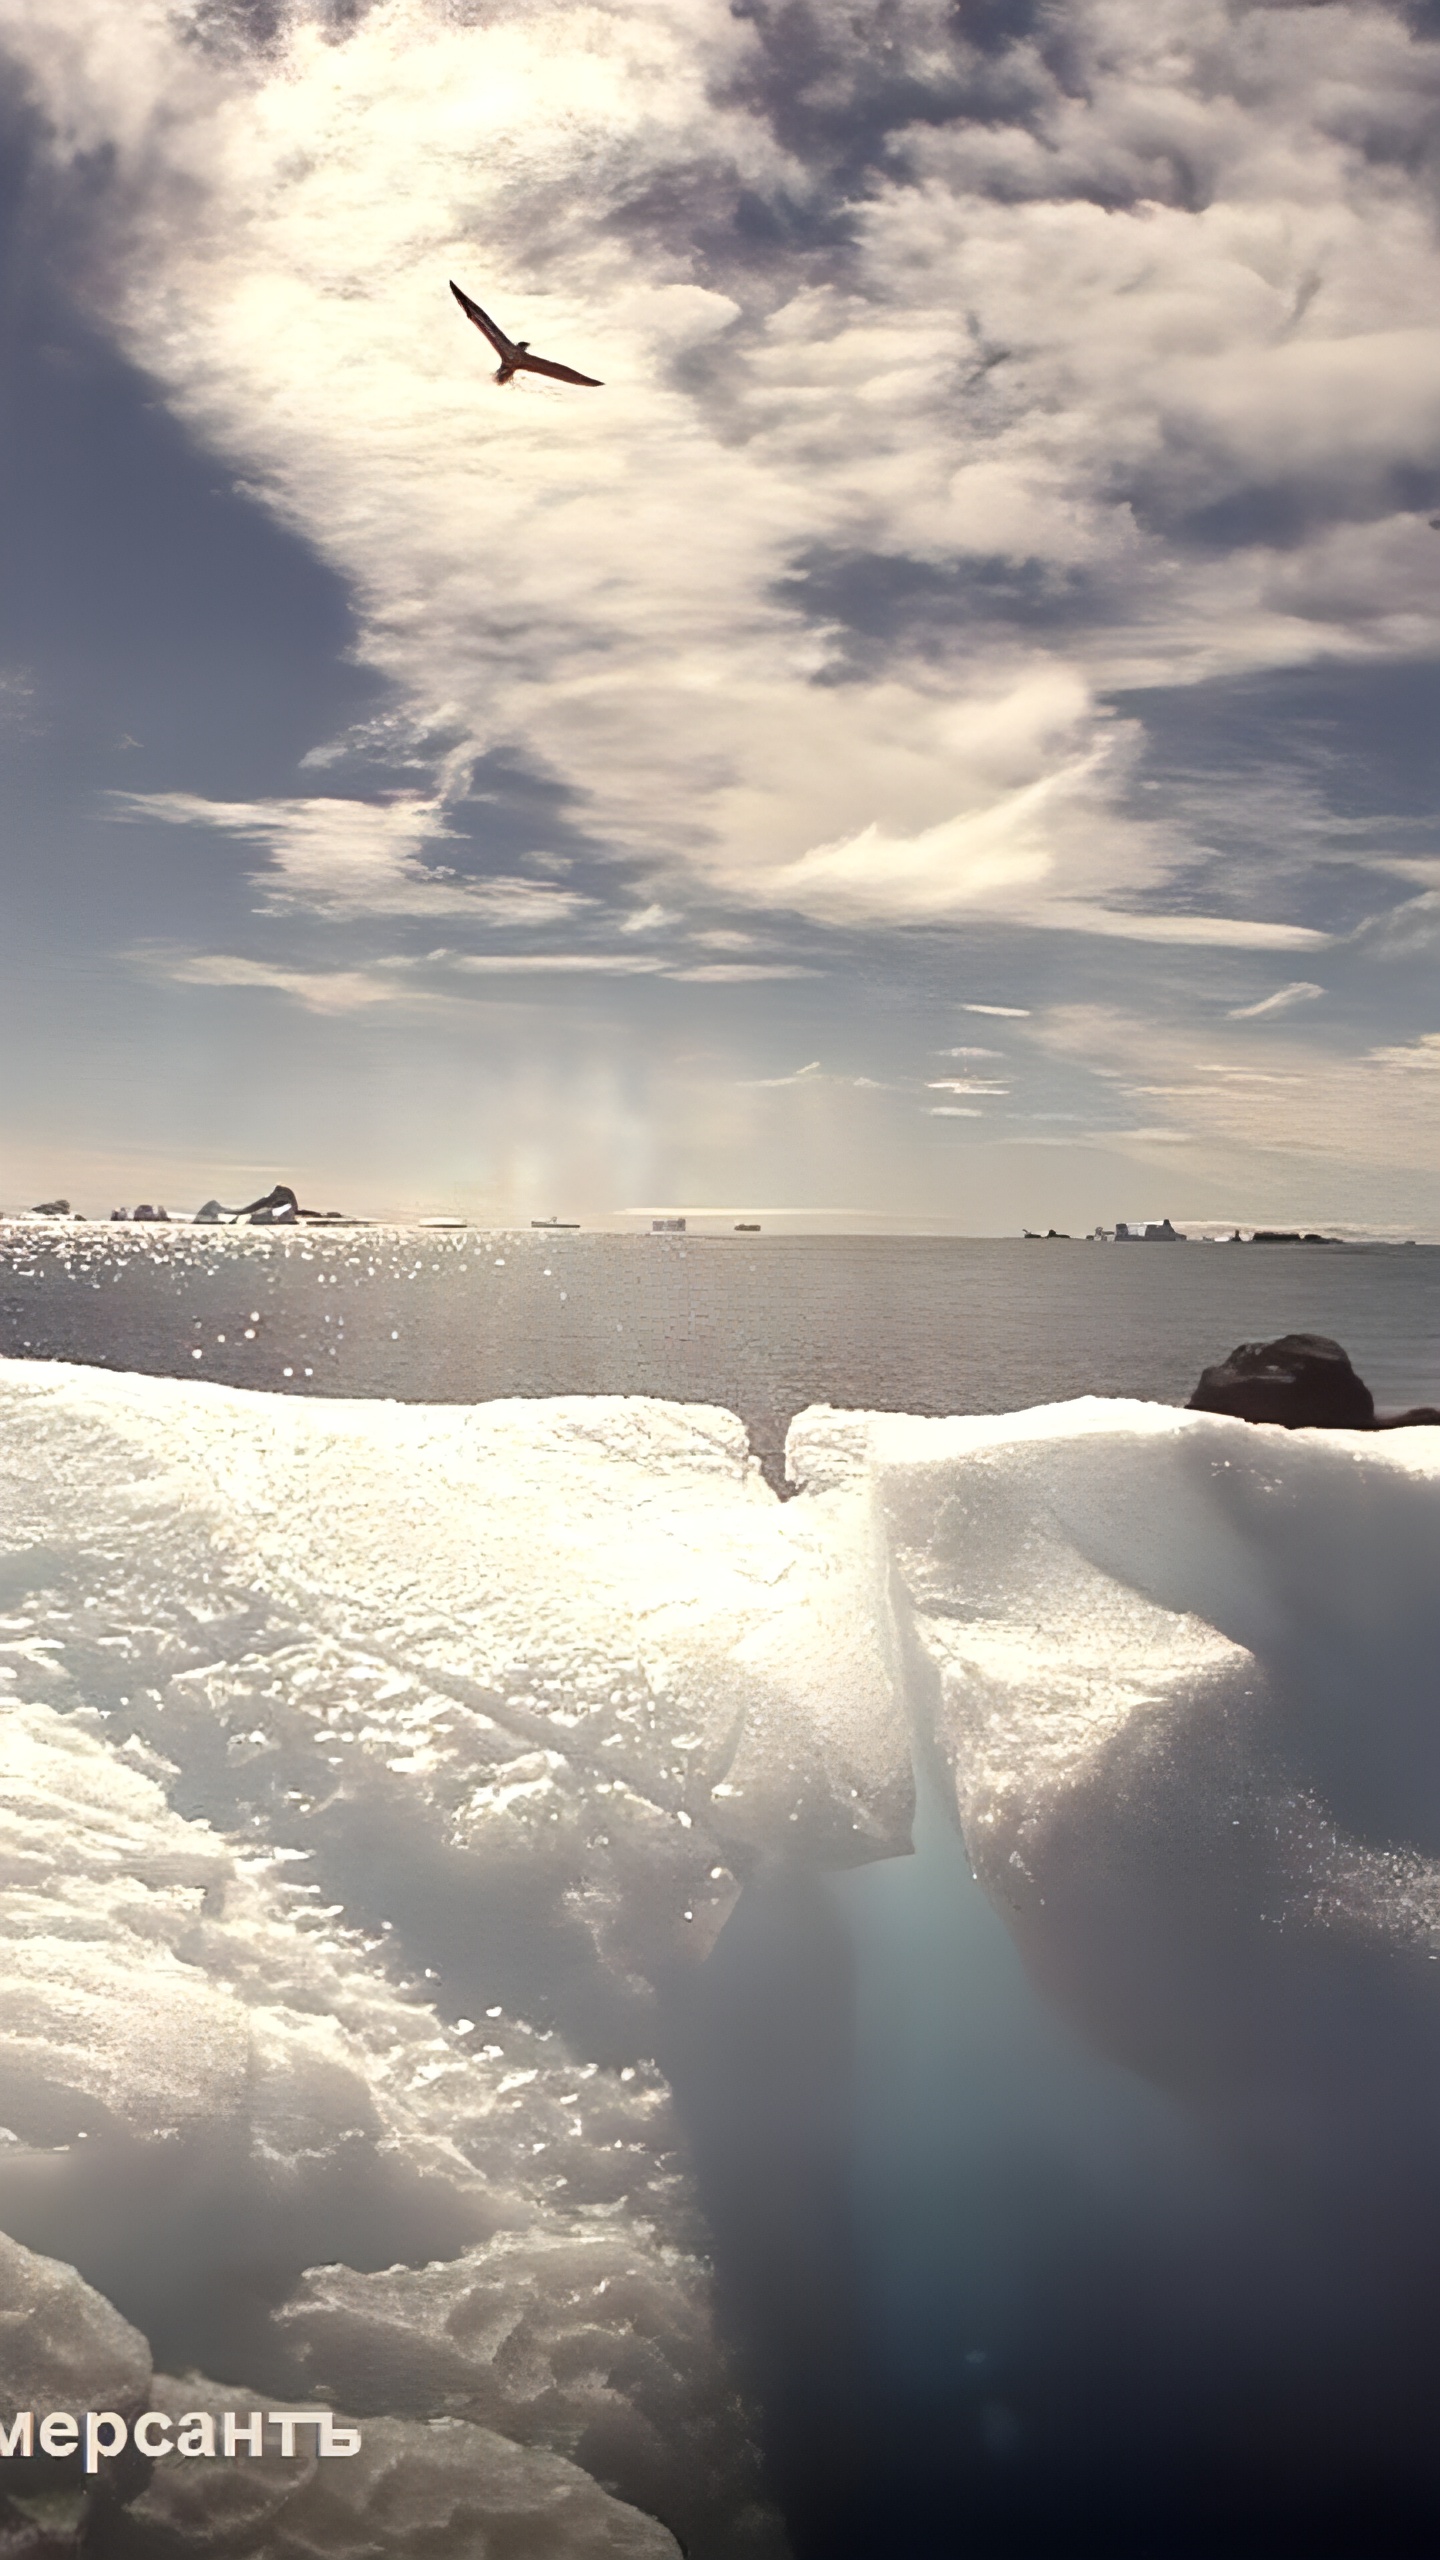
(896, 2139)
(761, 1325)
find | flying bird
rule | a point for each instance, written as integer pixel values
(514, 353)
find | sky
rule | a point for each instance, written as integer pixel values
(945, 737)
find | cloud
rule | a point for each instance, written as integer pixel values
(1009, 1012)
(1300, 991)
(18, 714)
(1156, 1137)
(800, 1075)
(1124, 328)
(1000, 851)
(814, 1074)
(1234, 933)
(723, 973)
(318, 990)
(1244, 1075)
(354, 857)
(1337, 1115)
(1420, 1056)
(630, 964)
(1404, 932)
(614, 964)
(951, 1111)
(968, 1053)
(962, 1084)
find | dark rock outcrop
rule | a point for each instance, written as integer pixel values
(1303, 1380)
(278, 1208)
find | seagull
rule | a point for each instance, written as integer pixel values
(514, 353)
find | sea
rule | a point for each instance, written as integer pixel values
(763, 1325)
(846, 2222)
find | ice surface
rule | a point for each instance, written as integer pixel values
(1181, 1674)
(528, 1690)
(1176, 1675)
(374, 1780)
(522, 1611)
(440, 2492)
(569, 2338)
(207, 2089)
(62, 2346)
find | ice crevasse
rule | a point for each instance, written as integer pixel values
(370, 1772)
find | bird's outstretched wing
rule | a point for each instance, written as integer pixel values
(498, 340)
(561, 372)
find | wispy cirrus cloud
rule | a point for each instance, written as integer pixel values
(355, 857)
(1222, 933)
(798, 1075)
(421, 981)
(329, 991)
(1332, 1113)
(1411, 1057)
(19, 708)
(1300, 991)
(611, 964)
(813, 1074)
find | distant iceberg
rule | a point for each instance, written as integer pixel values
(373, 1773)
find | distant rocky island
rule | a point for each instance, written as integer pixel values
(1161, 1231)
(278, 1207)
